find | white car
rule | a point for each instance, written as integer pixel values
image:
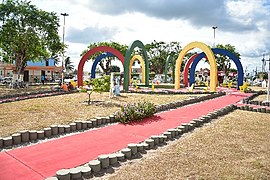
(7, 80)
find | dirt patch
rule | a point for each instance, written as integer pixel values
(233, 147)
(35, 114)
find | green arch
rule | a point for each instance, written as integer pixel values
(168, 60)
(135, 44)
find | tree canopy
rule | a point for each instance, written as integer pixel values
(27, 33)
(224, 62)
(105, 63)
(158, 52)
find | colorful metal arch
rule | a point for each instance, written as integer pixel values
(232, 56)
(168, 60)
(190, 60)
(209, 55)
(90, 53)
(135, 44)
(98, 59)
(139, 58)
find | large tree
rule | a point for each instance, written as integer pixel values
(105, 63)
(224, 62)
(27, 33)
(158, 52)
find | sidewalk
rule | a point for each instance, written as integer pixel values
(43, 160)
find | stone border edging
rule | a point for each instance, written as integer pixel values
(169, 92)
(256, 109)
(31, 95)
(33, 136)
(249, 100)
(134, 150)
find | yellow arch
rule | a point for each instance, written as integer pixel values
(210, 56)
(140, 59)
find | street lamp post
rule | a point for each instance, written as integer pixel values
(63, 57)
(214, 27)
(268, 84)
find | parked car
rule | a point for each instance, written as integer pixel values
(58, 80)
(7, 80)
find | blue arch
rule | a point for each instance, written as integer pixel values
(98, 59)
(225, 52)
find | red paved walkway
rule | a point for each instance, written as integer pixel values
(44, 159)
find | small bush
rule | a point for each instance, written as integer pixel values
(135, 112)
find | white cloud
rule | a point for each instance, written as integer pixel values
(241, 23)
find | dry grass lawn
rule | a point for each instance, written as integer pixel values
(4, 90)
(35, 114)
(261, 98)
(236, 146)
(257, 88)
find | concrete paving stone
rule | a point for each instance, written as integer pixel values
(156, 139)
(54, 129)
(113, 159)
(168, 134)
(112, 118)
(84, 125)
(105, 161)
(89, 124)
(120, 156)
(78, 125)
(25, 136)
(67, 128)
(86, 171)
(63, 174)
(1, 142)
(73, 127)
(99, 120)
(95, 165)
(61, 129)
(75, 173)
(7, 141)
(145, 146)
(94, 122)
(108, 120)
(33, 135)
(127, 152)
(133, 148)
(47, 132)
(172, 131)
(17, 139)
(140, 147)
(40, 134)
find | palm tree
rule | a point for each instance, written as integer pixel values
(69, 67)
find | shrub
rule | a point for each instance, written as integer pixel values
(99, 85)
(135, 112)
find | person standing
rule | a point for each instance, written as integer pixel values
(42, 79)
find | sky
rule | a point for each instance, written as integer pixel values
(244, 24)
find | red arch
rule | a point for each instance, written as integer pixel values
(90, 53)
(190, 60)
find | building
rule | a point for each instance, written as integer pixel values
(34, 70)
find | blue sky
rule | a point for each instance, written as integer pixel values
(242, 23)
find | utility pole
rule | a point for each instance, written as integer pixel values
(214, 27)
(63, 57)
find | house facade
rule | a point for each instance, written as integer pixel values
(34, 70)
